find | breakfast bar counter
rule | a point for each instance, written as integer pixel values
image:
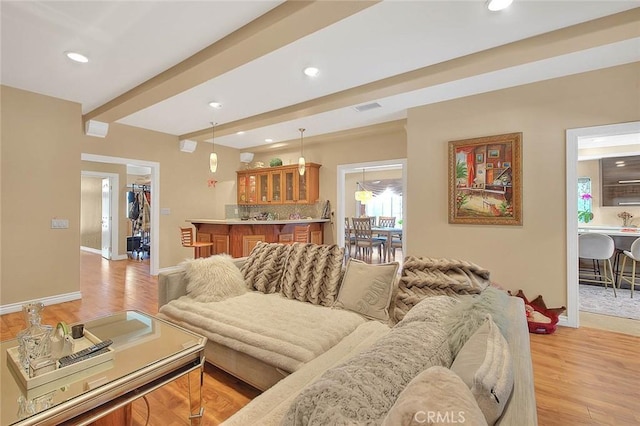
(238, 237)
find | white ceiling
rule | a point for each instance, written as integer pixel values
(130, 42)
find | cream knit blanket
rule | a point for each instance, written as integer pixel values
(279, 331)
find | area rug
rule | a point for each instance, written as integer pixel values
(598, 300)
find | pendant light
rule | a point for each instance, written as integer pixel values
(213, 157)
(363, 195)
(301, 163)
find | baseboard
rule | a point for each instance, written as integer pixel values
(51, 300)
(91, 250)
(563, 320)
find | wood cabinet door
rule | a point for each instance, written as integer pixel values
(249, 242)
(290, 186)
(275, 188)
(220, 244)
(263, 196)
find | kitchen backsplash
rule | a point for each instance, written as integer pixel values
(281, 212)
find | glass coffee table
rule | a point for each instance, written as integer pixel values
(147, 353)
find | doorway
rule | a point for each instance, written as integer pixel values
(573, 137)
(154, 168)
(343, 192)
(98, 230)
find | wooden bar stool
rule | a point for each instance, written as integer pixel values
(186, 236)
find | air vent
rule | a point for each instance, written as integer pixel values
(367, 107)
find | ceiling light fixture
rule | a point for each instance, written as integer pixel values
(213, 157)
(496, 5)
(216, 105)
(311, 71)
(363, 195)
(240, 132)
(301, 163)
(268, 140)
(77, 57)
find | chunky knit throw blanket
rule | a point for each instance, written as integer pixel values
(424, 277)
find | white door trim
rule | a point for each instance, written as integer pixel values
(155, 200)
(573, 139)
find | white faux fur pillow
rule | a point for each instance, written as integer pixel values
(215, 278)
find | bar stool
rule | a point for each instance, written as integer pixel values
(598, 247)
(634, 254)
(186, 237)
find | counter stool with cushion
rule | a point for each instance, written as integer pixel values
(634, 254)
(597, 247)
(186, 236)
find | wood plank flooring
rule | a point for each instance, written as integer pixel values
(583, 376)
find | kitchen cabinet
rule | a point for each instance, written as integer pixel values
(247, 187)
(279, 185)
(620, 181)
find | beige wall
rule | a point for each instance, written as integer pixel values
(41, 143)
(533, 256)
(386, 142)
(91, 212)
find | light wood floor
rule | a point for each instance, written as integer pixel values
(583, 376)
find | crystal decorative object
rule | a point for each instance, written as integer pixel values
(35, 340)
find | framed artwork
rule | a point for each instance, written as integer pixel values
(479, 158)
(493, 197)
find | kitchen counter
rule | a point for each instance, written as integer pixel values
(238, 237)
(617, 231)
(256, 222)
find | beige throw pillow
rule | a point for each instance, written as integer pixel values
(215, 278)
(367, 289)
(484, 363)
(437, 396)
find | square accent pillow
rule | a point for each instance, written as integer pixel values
(437, 396)
(263, 268)
(215, 278)
(367, 289)
(484, 363)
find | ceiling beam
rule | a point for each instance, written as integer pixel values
(610, 29)
(279, 27)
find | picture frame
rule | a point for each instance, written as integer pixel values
(493, 197)
(479, 158)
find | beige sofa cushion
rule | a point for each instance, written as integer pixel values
(262, 269)
(367, 289)
(215, 278)
(484, 364)
(312, 273)
(437, 396)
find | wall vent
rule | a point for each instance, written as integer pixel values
(367, 107)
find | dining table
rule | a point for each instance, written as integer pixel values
(388, 233)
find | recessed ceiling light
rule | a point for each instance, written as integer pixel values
(215, 105)
(77, 57)
(240, 133)
(311, 71)
(268, 140)
(495, 5)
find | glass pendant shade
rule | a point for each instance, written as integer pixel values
(301, 165)
(362, 194)
(213, 162)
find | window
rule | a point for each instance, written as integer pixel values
(585, 201)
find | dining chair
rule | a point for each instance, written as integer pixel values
(364, 240)
(386, 221)
(634, 254)
(349, 238)
(597, 247)
(186, 237)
